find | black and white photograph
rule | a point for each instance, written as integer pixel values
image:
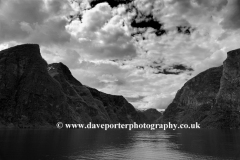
(119, 79)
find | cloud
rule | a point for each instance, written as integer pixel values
(214, 4)
(112, 3)
(141, 13)
(134, 99)
(101, 34)
(37, 21)
(99, 75)
(127, 80)
(25, 10)
(26, 27)
(55, 54)
(10, 30)
(107, 78)
(71, 59)
(231, 19)
(158, 101)
(144, 50)
(51, 32)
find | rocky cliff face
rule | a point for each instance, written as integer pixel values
(212, 98)
(229, 91)
(33, 93)
(150, 115)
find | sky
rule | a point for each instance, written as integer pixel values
(144, 50)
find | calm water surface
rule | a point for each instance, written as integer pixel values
(119, 144)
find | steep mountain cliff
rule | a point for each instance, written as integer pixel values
(150, 115)
(33, 93)
(212, 98)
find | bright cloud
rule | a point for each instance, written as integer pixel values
(101, 35)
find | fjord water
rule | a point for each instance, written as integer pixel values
(119, 144)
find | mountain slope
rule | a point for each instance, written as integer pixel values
(33, 93)
(150, 115)
(211, 98)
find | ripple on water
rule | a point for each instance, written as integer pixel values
(120, 144)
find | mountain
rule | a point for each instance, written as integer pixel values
(150, 115)
(34, 94)
(211, 98)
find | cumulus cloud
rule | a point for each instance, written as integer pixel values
(37, 21)
(51, 32)
(101, 34)
(66, 55)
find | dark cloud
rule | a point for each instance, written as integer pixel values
(114, 60)
(185, 30)
(173, 69)
(158, 67)
(157, 64)
(121, 62)
(74, 17)
(181, 67)
(165, 71)
(140, 67)
(112, 3)
(146, 22)
(141, 21)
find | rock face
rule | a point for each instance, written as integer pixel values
(33, 93)
(229, 92)
(212, 98)
(150, 115)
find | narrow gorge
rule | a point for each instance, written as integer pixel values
(211, 98)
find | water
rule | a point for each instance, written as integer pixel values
(119, 144)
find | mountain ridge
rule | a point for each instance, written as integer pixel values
(210, 98)
(35, 94)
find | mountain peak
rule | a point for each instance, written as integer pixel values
(235, 54)
(33, 93)
(23, 48)
(24, 56)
